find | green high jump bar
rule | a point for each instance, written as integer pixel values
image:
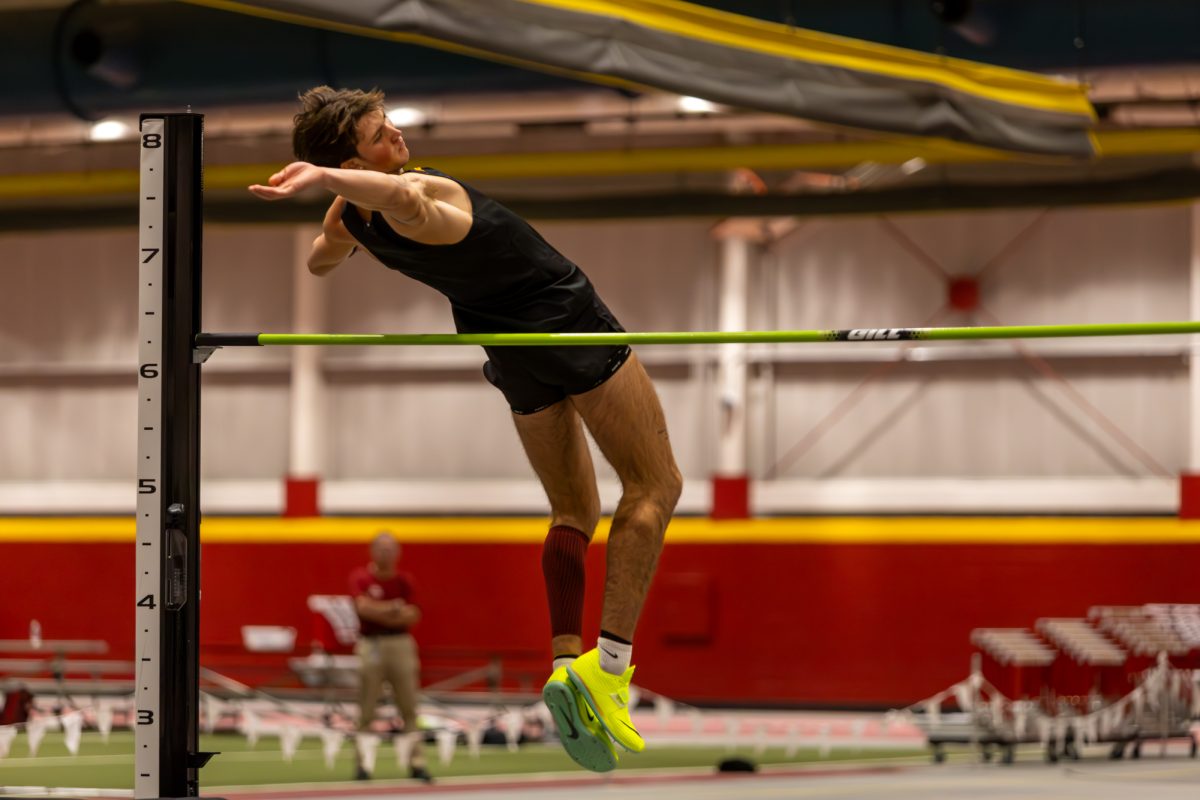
(701, 337)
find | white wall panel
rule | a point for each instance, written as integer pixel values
(850, 274)
(72, 431)
(653, 274)
(1097, 265)
(248, 287)
(244, 416)
(995, 418)
(420, 426)
(67, 308)
(450, 425)
(367, 297)
(68, 296)
(244, 428)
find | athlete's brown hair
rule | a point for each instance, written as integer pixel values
(325, 132)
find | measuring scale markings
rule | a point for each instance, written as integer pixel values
(151, 222)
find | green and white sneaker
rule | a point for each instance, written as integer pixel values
(582, 735)
(607, 697)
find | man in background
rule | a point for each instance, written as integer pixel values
(383, 597)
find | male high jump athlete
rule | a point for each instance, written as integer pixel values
(500, 275)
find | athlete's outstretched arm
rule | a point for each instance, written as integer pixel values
(366, 188)
(403, 198)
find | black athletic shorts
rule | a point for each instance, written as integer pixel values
(534, 378)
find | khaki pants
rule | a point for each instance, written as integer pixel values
(390, 659)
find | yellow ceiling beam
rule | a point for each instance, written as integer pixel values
(748, 62)
(817, 156)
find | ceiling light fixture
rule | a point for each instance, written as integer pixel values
(109, 130)
(696, 105)
(406, 115)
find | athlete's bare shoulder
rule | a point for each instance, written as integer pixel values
(430, 185)
(443, 214)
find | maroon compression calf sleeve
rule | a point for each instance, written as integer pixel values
(563, 567)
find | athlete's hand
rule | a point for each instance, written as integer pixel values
(289, 181)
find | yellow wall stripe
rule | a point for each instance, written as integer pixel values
(687, 530)
(69, 184)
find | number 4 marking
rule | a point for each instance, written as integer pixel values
(146, 602)
(153, 251)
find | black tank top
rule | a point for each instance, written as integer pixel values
(502, 277)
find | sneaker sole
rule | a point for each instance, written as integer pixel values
(586, 693)
(584, 749)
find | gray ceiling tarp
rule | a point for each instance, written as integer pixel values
(729, 59)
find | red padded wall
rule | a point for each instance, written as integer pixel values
(838, 624)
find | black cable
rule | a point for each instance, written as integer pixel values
(787, 13)
(1080, 39)
(58, 53)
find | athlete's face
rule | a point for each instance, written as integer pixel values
(380, 144)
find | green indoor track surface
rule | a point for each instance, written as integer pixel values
(109, 765)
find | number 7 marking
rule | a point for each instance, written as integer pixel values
(153, 251)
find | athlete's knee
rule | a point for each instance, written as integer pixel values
(659, 493)
(649, 508)
(589, 511)
(673, 487)
(582, 513)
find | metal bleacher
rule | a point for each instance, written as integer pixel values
(1081, 641)
(1016, 647)
(1140, 631)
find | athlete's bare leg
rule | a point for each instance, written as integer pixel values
(626, 420)
(557, 449)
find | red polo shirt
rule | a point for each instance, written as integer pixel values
(364, 583)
